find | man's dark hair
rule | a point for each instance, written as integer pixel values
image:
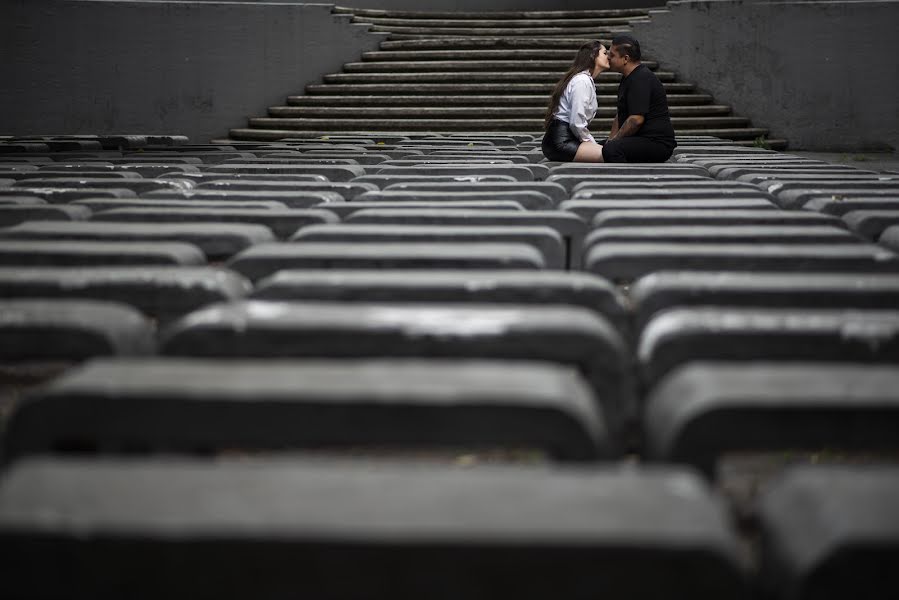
(627, 45)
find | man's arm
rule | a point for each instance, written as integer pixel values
(614, 127)
(631, 126)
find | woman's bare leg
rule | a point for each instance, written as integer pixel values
(589, 152)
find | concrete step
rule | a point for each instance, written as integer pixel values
(555, 54)
(533, 112)
(533, 100)
(440, 76)
(592, 32)
(431, 23)
(569, 43)
(412, 122)
(440, 89)
(550, 14)
(558, 66)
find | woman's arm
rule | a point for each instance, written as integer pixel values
(581, 110)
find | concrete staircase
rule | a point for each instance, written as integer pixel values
(477, 72)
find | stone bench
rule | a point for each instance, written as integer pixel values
(723, 217)
(627, 261)
(544, 239)
(732, 234)
(41, 330)
(55, 253)
(737, 334)
(571, 227)
(138, 186)
(332, 172)
(263, 260)
(162, 293)
(63, 195)
(218, 241)
(283, 222)
(516, 172)
(871, 223)
(105, 204)
(795, 195)
(840, 205)
(704, 411)
(290, 199)
(588, 209)
(447, 286)
(506, 532)
(413, 405)
(13, 214)
(383, 181)
(555, 191)
(831, 532)
(348, 208)
(670, 289)
(529, 199)
(348, 190)
(565, 335)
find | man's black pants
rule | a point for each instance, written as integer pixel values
(635, 149)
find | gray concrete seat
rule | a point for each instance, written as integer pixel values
(553, 190)
(529, 199)
(703, 411)
(840, 205)
(42, 330)
(732, 234)
(621, 193)
(626, 261)
(55, 171)
(218, 241)
(348, 208)
(871, 223)
(600, 169)
(517, 172)
(104, 204)
(161, 292)
(405, 530)
(890, 238)
(566, 335)
(655, 217)
(138, 186)
(349, 190)
(263, 260)
(332, 172)
(662, 185)
(570, 181)
(745, 171)
(382, 181)
(178, 405)
(545, 239)
(571, 227)
(660, 291)
(447, 286)
(262, 179)
(13, 214)
(291, 199)
(795, 195)
(588, 209)
(283, 222)
(62, 195)
(737, 334)
(54, 253)
(831, 532)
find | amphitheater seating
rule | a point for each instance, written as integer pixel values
(371, 350)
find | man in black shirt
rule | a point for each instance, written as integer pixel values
(642, 130)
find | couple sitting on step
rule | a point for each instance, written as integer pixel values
(641, 131)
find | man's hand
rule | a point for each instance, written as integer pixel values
(631, 126)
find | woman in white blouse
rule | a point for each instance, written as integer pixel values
(573, 106)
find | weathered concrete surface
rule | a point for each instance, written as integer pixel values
(197, 68)
(821, 74)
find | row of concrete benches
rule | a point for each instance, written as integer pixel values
(302, 368)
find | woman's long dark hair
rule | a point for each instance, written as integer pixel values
(585, 60)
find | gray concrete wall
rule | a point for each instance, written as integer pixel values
(192, 68)
(824, 75)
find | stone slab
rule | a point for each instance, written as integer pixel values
(14, 214)
(601, 169)
(890, 238)
(682, 335)
(571, 227)
(206, 177)
(105, 204)
(657, 217)
(384, 181)
(348, 190)
(263, 260)
(505, 531)
(842, 204)
(831, 532)
(566, 335)
(448, 286)
(672, 193)
(138, 186)
(703, 411)
(553, 190)
(161, 292)
(588, 209)
(545, 240)
(177, 405)
(795, 195)
(62, 195)
(516, 172)
(332, 172)
(529, 199)
(282, 222)
(218, 241)
(627, 261)
(32, 253)
(569, 182)
(669, 289)
(348, 208)
(732, 234)
(290, 199)
(39, 329)
(871, 223)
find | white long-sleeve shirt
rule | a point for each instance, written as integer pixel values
(577, 107)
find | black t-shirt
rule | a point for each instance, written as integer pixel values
(641, 93)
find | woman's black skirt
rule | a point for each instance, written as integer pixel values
(559, 143)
